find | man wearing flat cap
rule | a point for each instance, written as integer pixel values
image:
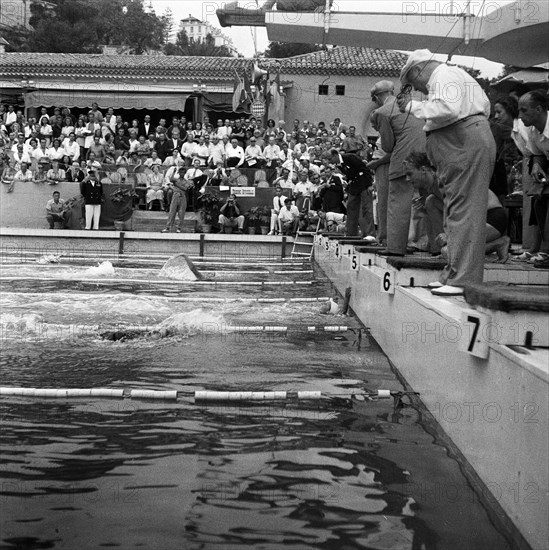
(461, 147)
(400, 135)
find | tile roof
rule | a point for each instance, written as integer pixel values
(346, 60)
(121, 66)
(341, 60)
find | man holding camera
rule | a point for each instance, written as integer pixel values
(230, 216)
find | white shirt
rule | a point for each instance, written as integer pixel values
(278, 203)
(40, 153)
(253, 151)
(172, 172)
(217, 152)
(202, 152)
(223, 131)
(187, 149)
(288, 215)
(56, 154)
(453, 96)
(272, 152)
(172, 161)
(11, 118)
(538, 142)
(192, 173)
(27, 176)
(19, 159)
(237, 151)
(303, 187)
(133, 145)
(72, 149)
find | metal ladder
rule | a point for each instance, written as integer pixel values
(308, 242)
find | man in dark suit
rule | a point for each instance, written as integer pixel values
(162, 147)
(146, 128)
(75, 173)
(175, 142)
(176, 125)
(359, 202)
(93, 197)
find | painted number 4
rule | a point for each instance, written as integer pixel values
(474, 336)
(388, 282)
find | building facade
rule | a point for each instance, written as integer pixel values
(198, 30)
(17, 13)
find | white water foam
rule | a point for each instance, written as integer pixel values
(104, 269)
(196, 321)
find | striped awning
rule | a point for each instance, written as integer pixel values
(116, 99)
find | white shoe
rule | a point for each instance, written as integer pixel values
(434, 284)
(270, 233)
(447, 290)
(524, 257)
(537, 257)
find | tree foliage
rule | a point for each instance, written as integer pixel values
(188, 46)
(83, 26)
(289, 49)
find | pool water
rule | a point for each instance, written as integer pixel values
(341, 472)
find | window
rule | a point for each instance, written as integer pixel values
(323, 89)
(340, 89)
(191, 30)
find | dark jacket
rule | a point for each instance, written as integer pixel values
(332, 197)
(142, 131)
(93, 194)
(121, 143)
(164, 149)
(79, 176)
(357, 175)
(177, 146)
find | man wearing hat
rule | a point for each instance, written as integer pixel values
(92, 189)
(400, 135)
(461, 147)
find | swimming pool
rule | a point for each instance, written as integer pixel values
(338, 472)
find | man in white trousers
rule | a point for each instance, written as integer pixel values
(92, 190)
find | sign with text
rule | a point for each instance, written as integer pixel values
(243, 191)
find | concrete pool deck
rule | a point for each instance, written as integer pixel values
(488, 391)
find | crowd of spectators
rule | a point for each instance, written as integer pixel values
(58, 146)
(325, 174)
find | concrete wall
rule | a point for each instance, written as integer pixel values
(354, 108)
(503, 438)
(26, 205)
(30, 244)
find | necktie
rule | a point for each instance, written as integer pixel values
(279, 203)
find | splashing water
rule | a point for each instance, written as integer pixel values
(104, 269)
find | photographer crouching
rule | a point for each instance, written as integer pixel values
(230, 216)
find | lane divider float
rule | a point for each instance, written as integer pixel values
(198, 395)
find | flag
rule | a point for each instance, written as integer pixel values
(238, 92)
(275, 98)
(248, 87)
